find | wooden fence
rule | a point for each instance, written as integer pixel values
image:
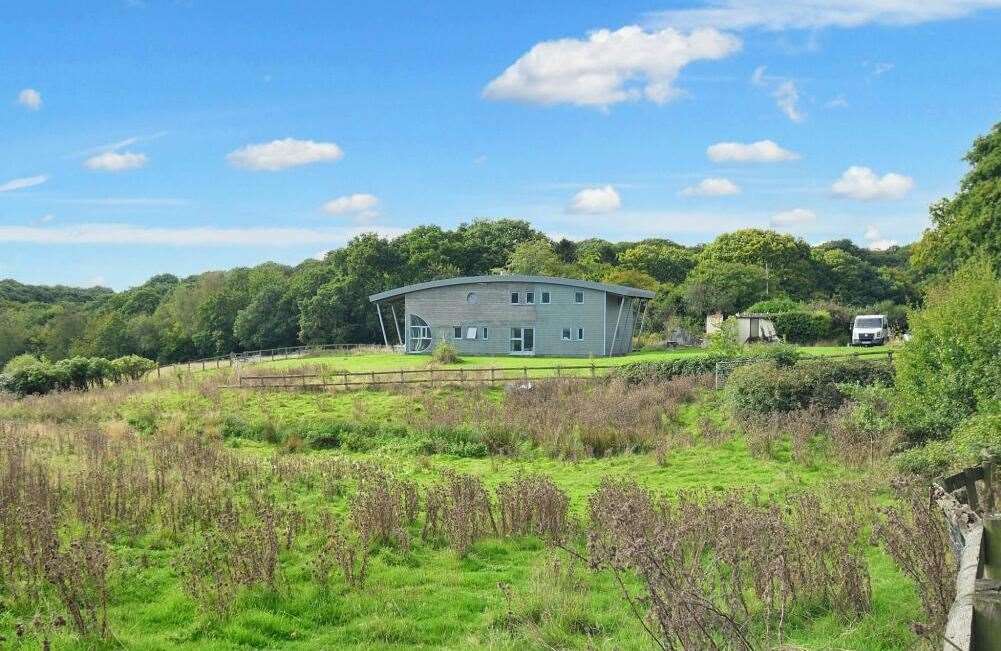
(968, 500)
(250, 357)
(457, 376)
(426, 376)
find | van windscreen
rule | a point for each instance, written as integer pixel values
(868, 322)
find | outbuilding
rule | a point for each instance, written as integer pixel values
(514, 315)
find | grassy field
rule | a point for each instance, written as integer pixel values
(395, 361)
(181, 457)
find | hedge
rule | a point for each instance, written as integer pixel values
(40, 376)
(701, 364)
(769, 387)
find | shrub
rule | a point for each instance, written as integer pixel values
(459, 441)
(775, 306)
(693, 365)
(802, 327)
(929, 460)
(20, 362)
(765, 387)
(132, 367)
(949, 370)
(445, 353)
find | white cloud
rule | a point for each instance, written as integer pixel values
(711, 187)
(594, 201)
(360, 205)
(875, 240)
(880, 68)
(113, 161)
(794, 217)
(20, 184)
(281, 154)
(46, 218)
(121, 234)
(862, 183)
(787, 98)
(608, 66)
(816, 14)
(785, 92)
(762, 151)
(30, 99)
(837, 102)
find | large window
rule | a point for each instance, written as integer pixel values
(578, 297)
(522, 340)
(420, 334)
(566, 334)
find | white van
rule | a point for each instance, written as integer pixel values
(870, 330)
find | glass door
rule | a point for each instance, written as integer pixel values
(522, 341)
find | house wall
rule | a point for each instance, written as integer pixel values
(446, 307)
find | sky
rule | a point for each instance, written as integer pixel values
(150, 136)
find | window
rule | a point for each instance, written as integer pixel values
(566, 334)
(484, 332)
(457, 332)
(580, 334)
(420, 334)
(529, 297)
(578, 297)
(516, 340)
(545, 297)
(514, 298)
(472, 298)
(471, 332)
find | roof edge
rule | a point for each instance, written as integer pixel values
(621, 290)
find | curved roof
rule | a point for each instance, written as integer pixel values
(621, 290)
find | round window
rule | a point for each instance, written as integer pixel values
(472, 298)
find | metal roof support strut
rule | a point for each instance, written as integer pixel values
(382, 325)
(615, 333)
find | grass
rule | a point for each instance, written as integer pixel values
(428, 596)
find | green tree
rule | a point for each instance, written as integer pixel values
(950, 369)
(665, 262)
(969, 223)
(726, 287)
(486, 243)
(790, 268)
(535, 258)
(269, 321)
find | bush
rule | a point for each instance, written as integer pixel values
(949, 370)
(458, 441)
(693, 365)
(775, 306)
(765, 387)
(930, 460)
(132, 367)
(445, 353)
(802, 327)
(20, 362)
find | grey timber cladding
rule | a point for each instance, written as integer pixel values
(481, 312)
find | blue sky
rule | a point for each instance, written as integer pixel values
(144, 137)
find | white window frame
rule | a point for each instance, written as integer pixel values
(580, 333)
(529, 297)
(485, 337)
(521, 340)
(566, 334)
(472, 332)
(579, 293)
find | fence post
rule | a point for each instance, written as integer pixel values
(345, 379)
(432, 378)
(402, 378)
(557, 370)
(492, 381)
(158, 371)
(592, 370)
(988, 467)
(462, 376)
(373, 377)
(525, 372)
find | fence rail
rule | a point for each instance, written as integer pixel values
(428, 376)
(248, 357)
(441, 376)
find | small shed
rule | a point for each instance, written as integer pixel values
(755, 327)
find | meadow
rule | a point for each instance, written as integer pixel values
(181, 514)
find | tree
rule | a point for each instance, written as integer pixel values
(850, 279)
(269, 321)
(339, 313)
(949, 370)
(486, 244)
(788, 259)
(665, 262)
(726, 287)
(631, 278)
(969, 223)
(535, 258)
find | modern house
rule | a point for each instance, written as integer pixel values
(515, 315)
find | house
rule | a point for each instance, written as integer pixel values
(515, 315)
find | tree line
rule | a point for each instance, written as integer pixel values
(819, 288)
